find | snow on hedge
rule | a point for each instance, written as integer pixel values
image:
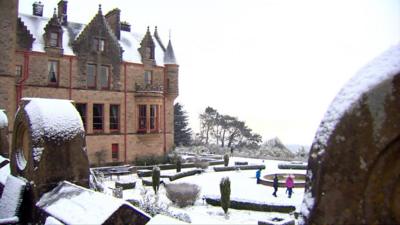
(72, 204)
(54, 119)
(12, 197)
(383, 68)
(3, 119)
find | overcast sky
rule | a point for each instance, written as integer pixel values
(275, 64)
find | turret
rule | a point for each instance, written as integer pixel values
(172, 70)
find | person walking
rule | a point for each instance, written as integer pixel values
(275, 185)
(258, 175)
(289, 185)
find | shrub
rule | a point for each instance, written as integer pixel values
(182, 194)
(156, 178)
(150, 160)
(201, 164)
(225, 188)
(178, 165)
(226, 160)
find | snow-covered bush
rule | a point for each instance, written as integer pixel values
(182, 194)
(151, 205)
(225, 188)
(156, 178)
(201, 164)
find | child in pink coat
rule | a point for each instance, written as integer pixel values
(289, 185)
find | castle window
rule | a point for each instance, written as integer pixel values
(114, 151)
(104, 77)
(81, 108)
(98, 117)
(91, 76)
(98, 44)
(142, 119)
(54, 39)
(153, 117)
(53, 72)
(18, 71)
(114, 117)
(148, 77)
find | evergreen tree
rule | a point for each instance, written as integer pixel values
(183, 133)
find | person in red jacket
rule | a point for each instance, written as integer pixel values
(289, 185)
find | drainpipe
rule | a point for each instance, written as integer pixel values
(164, 111)
(25, 75)
(125, 124)
(70, 78)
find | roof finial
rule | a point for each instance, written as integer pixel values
(99, 7)
(54, 12)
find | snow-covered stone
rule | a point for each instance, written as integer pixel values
(53, 119)
(12, 197)
(72, 204)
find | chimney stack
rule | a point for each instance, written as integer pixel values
(62, 12)
(125, 26)
(38, 8)
(113, 20)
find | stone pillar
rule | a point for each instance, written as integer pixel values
(8, 23)
(354, 165)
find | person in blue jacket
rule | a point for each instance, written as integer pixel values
(258, 175)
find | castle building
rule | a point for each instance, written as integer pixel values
(123, 83)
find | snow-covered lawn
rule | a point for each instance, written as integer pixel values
(243, 187)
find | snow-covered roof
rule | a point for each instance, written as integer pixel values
(3, 119)
(72, 204)
(55, 119)
(383, 68)
(130, 41)
(11, 197)
(169, 57)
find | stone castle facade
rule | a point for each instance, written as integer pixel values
(123, 83)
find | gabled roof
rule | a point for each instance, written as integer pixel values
(129, 41)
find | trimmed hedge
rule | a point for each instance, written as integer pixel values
(241, 163)
(236, 204)
(185, 174)
(125, 185)
(245, 167)
(146, 182)
(144, 173)
(292, 166)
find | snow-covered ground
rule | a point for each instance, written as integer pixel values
(243, 186)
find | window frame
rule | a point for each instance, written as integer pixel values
(94, 76)
(118, 119)
(142, 116)
(57, 72)
(83, 117)
(99, 44)
(148, 74)
(98, 117)
(19, 71)
(54, 41)
(153, 118)
(100, 75)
